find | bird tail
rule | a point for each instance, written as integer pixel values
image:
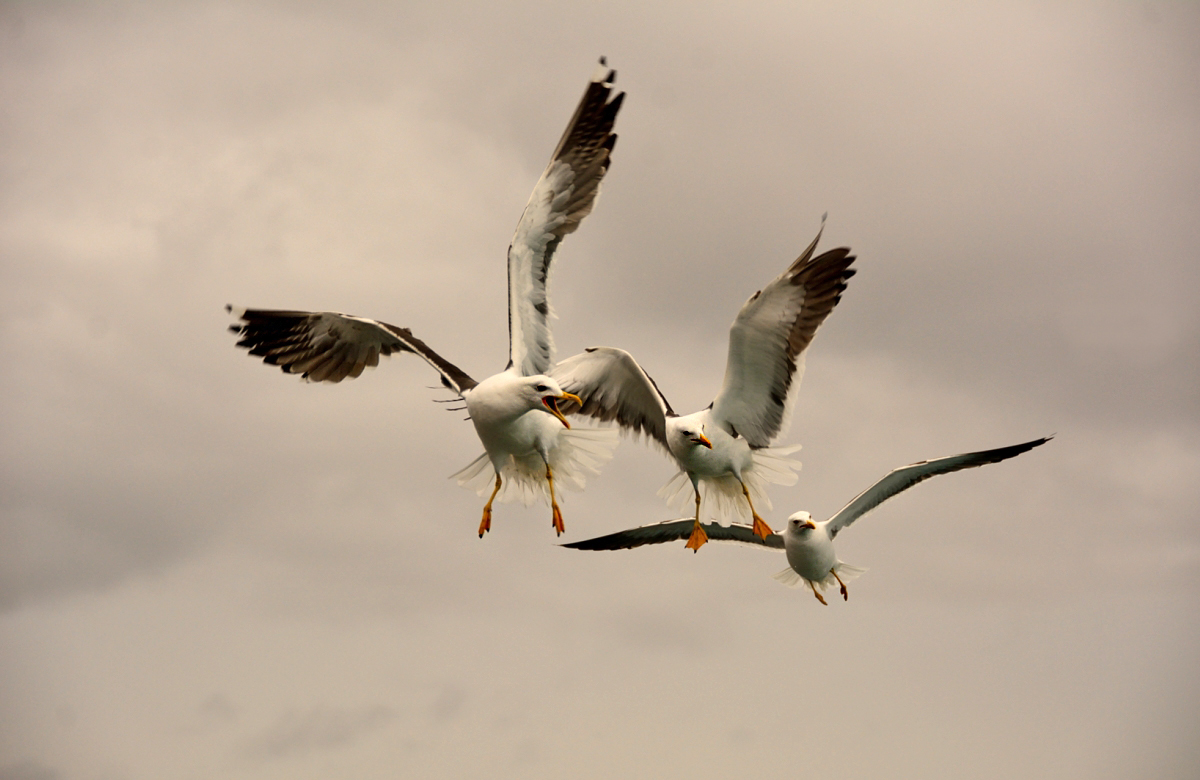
(789, 577)
(577, 453)
(478, 476)
(844, 570)
(721, 498)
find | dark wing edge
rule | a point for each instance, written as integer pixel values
(614, 387)
(676, 530)
(559, 202)
(901, 479)
(757, 400)
(330, 347)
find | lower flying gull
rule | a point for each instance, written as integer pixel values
(808, 544)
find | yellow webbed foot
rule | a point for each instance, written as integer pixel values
(761, 529)
(698, 538)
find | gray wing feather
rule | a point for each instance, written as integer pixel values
(768, 339)
(676, 530)
(613, 386)
(327, 346)
(901, 479)
(562, 197)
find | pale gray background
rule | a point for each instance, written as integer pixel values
(214, 570)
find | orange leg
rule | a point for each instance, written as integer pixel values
(486, 525)
(760, 526)
(698, 537)
(845, 593)
(817, 593)
(557, 520)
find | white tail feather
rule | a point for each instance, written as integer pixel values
(577, 453)
(721, 498)
(789, 577)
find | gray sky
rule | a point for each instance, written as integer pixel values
(209, 569)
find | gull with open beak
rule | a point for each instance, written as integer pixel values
(527, 441)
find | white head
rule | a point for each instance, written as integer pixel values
(683, 433)
(801, 523)
(541, 392)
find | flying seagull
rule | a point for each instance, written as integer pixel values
(725, 447)
(528, 442)
(809, 545)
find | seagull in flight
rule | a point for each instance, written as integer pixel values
(809, 544)
(526, 437)
(725, 447)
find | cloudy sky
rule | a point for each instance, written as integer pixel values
(210, 569)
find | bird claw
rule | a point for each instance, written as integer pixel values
(845, 594)
(761, 529)
(820, 598)
(486, 524)
(558, 521)
(697, 539)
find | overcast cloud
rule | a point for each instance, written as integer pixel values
(210, 569)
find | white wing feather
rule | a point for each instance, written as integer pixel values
(768, 341)
(562, 197)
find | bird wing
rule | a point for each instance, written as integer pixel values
(613, 386)
(768, 339)
(675, 530)
(563, 196)
(901, 479)
(325, 346)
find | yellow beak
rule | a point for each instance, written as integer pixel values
(551, 403)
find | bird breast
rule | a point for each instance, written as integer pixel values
(811, 554)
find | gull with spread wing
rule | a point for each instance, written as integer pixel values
(808, 544)
(725, 448)
(528, 442)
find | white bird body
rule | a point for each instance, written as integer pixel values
(524, 434)
(807, 544)
(811, 557)
(520, 440)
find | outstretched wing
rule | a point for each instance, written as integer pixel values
(768, 340)
(613, 386)
(903, 478)
(676, 530)
(561, 199)
(325, 346)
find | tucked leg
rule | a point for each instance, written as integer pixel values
(698, 537)
(557, 520)
(817, 593)
(845, 593)
(486, 525)
(760, 526)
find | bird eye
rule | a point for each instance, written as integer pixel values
(541, 388)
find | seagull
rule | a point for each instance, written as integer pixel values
(808, 544)
(527, 440)
(725, 446)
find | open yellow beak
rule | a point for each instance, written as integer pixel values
(551, 403)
